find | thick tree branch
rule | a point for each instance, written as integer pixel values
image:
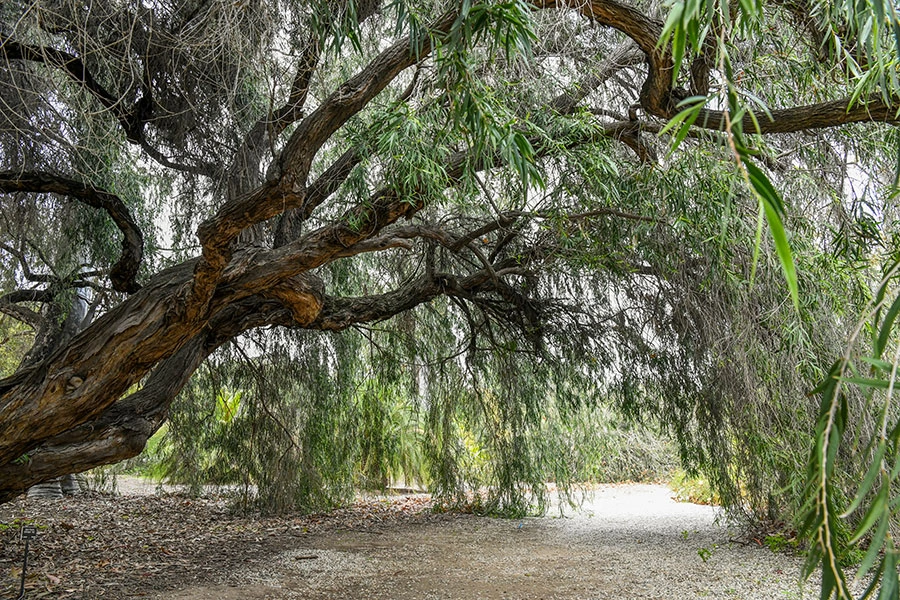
(811, 116)
(123, 272)
(79, 381)
(121, 431)
(217, 233)
(340, 313)
(317, 192)
(244, 172)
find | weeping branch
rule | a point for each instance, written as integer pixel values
(132, 121)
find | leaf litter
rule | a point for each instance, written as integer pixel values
(103, 546)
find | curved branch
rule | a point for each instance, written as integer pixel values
(340, 313)
(645, 31)
(201, 168)
(9, 305)
(123, 273)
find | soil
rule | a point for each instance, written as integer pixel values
(627, 541)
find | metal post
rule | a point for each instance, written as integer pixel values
(24, 567)
(28, 533)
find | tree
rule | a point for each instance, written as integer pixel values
(321, 166)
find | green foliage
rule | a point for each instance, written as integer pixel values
(480, 439)
(781, 543)
(633, 298)
(15, 340)
(16, 524)
(850, 510)
(705, 553)
(696, 490)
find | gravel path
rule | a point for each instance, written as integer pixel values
(628, 541)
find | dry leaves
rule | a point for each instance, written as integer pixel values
(96, 546)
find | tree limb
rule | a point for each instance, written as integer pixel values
(26, 268)
(811, 116)
(626, 55)
(123, 272)
(121, 431)
(9, 304)
(79, 73)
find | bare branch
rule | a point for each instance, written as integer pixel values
(626, 55)
(204, 169)
(26, 268)
(132, 120)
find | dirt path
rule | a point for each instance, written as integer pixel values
(627, 542)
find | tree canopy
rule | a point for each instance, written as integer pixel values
(508, 211)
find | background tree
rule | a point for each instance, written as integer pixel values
(557, 204)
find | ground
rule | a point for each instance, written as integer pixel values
(627, 541)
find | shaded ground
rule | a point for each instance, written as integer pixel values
(628, 542)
